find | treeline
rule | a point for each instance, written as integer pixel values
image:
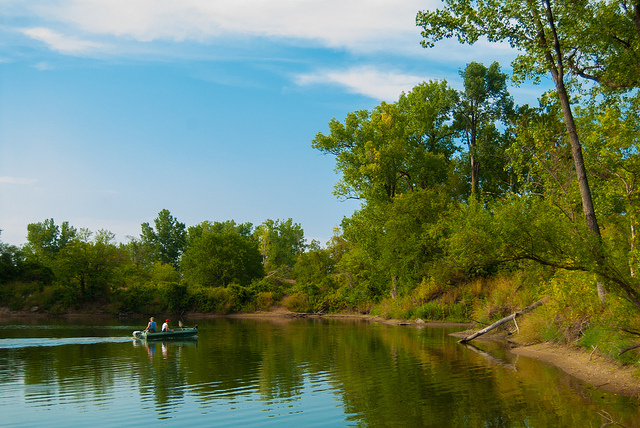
(211, 267)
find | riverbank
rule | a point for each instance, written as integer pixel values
(587, 366)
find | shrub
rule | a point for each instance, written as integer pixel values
(175, 296)
(264, 301)
(297, 302)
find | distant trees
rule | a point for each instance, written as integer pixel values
(220, 254)
(45, 239)
(167, 241)
(88, 266)
(281, 242)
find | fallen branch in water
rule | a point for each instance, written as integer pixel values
(503, 320)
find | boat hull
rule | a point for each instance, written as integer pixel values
(161, 335)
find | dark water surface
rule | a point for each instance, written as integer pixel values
(283, 372)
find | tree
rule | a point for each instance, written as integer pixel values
(428, 133)
(220, 254)
(484, 101)
(45, 239)
(395, 148)
(281, 242)
(167, 241)
(607, 43)
(611, 130)
(86, 265)
(545, 36)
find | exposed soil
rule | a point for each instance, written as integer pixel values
(589, 367)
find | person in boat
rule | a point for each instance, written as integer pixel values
(165, 326)
(151, 327)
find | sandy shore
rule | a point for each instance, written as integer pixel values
(589, 367)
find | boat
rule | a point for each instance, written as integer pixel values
(184, 333)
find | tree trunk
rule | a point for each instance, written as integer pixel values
(394, 288)
(503, 320)
(555, 61)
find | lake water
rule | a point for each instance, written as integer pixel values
(284, 373)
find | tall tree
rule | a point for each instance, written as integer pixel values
(396, 147)
(544, 34)
(484, 101)
(45, 239)
(167, 241)
(281, 242)
(428, 133)
(611, 131)
(607, 43)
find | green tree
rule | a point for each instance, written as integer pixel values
(428, 133)
(606, 46)
(547, 39)
(611, 133)
(395, 148)
(167, 241)
(484, 101)
(220, 254)
(281, 242)
(88, 266)
(45, 239)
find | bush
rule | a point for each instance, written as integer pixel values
(175, 296)
(297, 302)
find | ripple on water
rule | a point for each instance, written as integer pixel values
(54, 341)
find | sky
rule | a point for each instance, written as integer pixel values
(113, 110)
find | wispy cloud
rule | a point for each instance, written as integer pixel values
(18, 180)
(351, 24)
(43, 66)
(369, 81)
(60, 42)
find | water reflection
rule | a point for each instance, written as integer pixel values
(288, 372)
(166, 346)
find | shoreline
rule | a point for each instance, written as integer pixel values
(589, 367)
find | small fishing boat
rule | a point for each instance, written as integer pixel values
(161, 335)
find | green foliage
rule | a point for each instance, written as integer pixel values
(589, 33)
(45, 239)
(219, 300)
(297, 302)
(281, 242)
(175, 297)
(395, 148)
(87, 267)
(166, 242)
(219, 256)
(484, 101)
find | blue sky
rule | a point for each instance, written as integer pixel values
(112, 110)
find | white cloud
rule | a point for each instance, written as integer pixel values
(356, 24)
(60, 42)
(43, 66)
(17, 180)
(369, 81)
